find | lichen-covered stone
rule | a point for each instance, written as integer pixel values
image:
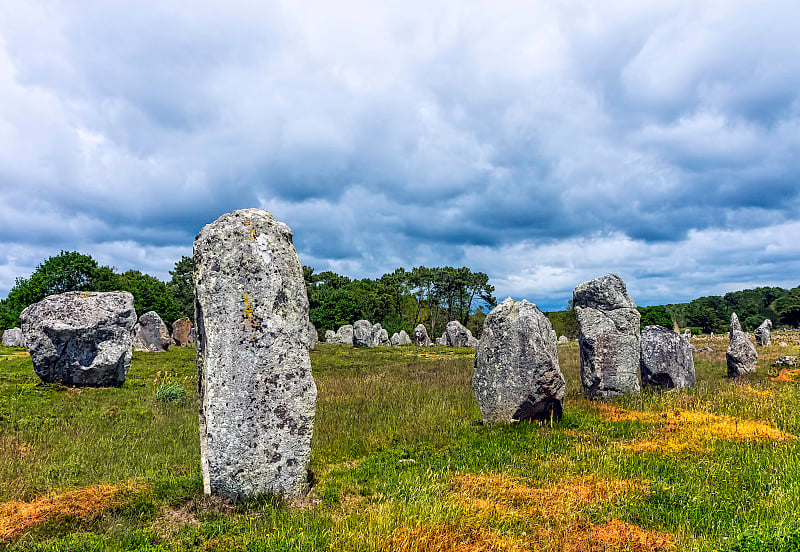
(344, 335)
(400, 339)
(421, 338)
(763, 333)
(362, 333)
(458, 336)
(608, 334)
(741, 355)
(257, 394)
(181, 331)
(517, 376)
(81, 338)
(12, 337)
(330, 336)
(667, 360)
(380, 337)
(151, 334)
(786, 361)
(313, 337)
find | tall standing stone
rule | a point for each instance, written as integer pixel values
(181, 331)
(81, 338)
(421, 338)
(362, 334)
(458, 336)
(741, 356)
(608, 334)
(517, 376)
(667, 359)
(764, 333)
(257, 394)
(12, 337)
(151, 334)
(380, 337)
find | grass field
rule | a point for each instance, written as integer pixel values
(401, 462)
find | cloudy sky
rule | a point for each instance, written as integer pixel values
(544, 143)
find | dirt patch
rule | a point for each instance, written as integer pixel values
(11, 447)
(616, 535)
(82, 503)
(15, 356)
(787, 375)
(444, 538)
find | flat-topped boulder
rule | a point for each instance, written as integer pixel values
(516, 375)
(151, 334)
(609, 337)
(666, 360)
(181, 331)
(421, 338)
(81, 338)
(741, 356)
(763, 333)
(12, 337)
(256, 391)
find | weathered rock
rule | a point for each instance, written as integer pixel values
(344, 335)
(13, 338)
(380, 337)
(400, 339)
(81, 338)
(764, 333)
(473, 341)
(421, 338)
(457, 335)
(313, 337)
(442, 340)
(666, 359)
(151, 334)
(193, 336)
(330, 336)
(563, 339)
(362, 334)
(517, 376)
(609, 334)
(687, 333)
(181, 331)
(257, 394)
(741, 355)
(786, 361)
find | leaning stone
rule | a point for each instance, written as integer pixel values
(764, 333)
(457, 335)
(362, 334)
(400, 339)
(81, 338)
(609, 334)
(517, 376)
(151, 334)
(181, 330)
(563, 339)
(13, 338)
(667, 359)
(313, 337)
(421, 338)
(257, 395)
(786, 361)
(741, 356)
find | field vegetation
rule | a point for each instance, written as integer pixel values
(401, 462)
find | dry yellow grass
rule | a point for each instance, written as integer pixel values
(83, 503)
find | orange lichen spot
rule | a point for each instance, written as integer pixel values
(787, 375)
(249, 317)
(82, 503)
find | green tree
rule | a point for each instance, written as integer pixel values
(149, 293)
(181, 286)
(656, 316)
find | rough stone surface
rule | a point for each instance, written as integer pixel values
(421, 338)
(442, 340)
(400, 339)
(313, 337)
(151, 334)
(81, 338)
(181, 331)
(458, 336)
(13, 338)
(764, 333)
(380, 337)
(666, 359)
(362, 334)
(193, 336)
(687, 333)
(741, 355)
(517, 376)
(563, 339)
(609, 335)
(257, 394)
(786, 361)
(330, 336)
(344, 335)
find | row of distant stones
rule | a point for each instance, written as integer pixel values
(257, 394)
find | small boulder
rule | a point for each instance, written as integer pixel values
(330, 336)
(421, 338)
(563, 339)
(741, 356)
(151, 334)
(783, 344)
(400, 339)
(13, 338)
(344, 335)
(516, 375)
(764, 333)
(666, 359)
(362, 334)
(81, 338)
(442, 340)
(181, 330)
(786, 361)
(609, 335)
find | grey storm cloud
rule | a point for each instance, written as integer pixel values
(543, 143)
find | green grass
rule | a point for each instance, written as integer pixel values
(394, 426)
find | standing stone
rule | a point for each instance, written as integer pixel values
(151, 334)
(81, 338)
(608, 334)
(421, 338)
(362, 334)
(181, 330)
(400, 339)
(193, 337)
(344, 335)
(516, 374)
(458, 336)
(330, 336)
(257, 394)
(442, 340)
(13, 338)
(764, 333)
(380, 337)
(667, 360)
(563, 339)
(313, 337)
(741, 355)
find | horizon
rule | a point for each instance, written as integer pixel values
(542, 144)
